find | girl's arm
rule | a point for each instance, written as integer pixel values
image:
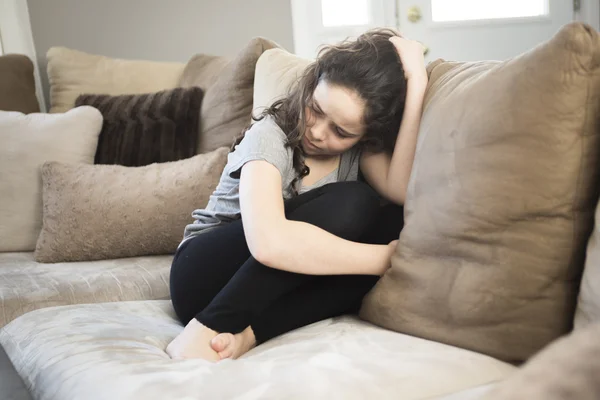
(297, 246)
(387, 174)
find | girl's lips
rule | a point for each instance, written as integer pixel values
(309, 144)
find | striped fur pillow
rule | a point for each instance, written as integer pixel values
(147, 128)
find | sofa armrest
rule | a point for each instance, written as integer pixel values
(17, 84)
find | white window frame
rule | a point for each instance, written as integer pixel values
(487, 19)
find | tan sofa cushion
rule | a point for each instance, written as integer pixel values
(28, 142)
(28, 285)
(500, 201)
(17, 84)
(227, 103)
(588, 305)
(568, 369)
(72, 352)
(95, 212)
(276, 72)
(72, 73)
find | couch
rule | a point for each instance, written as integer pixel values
(98, 329)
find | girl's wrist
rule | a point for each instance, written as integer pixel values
(417, 79)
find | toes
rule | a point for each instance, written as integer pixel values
(227, 353)
(224, 344)
(221, 342)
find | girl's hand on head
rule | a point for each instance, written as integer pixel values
(412, 56)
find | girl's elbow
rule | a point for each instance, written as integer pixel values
(397, 198)
(265, 250)
(262, 252)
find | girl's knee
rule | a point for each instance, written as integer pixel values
(352, 207)
(354, 197)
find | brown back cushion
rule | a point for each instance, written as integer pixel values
(500, 202)
(144, 129)
(17, 84)
(227, 106)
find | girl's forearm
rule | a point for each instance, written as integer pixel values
(307, 249)
(404, 150)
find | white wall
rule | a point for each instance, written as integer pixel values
(16, 36)
(157, 30)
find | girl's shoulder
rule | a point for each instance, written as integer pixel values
(267, 127)
(264, 140)
(264, 136)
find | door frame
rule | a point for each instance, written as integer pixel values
(303, 20)
(589, 12)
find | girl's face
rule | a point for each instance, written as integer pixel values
(334, 122)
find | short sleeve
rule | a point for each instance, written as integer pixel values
(263, 141)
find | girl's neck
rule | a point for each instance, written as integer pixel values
(323, 158)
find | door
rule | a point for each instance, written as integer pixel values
(317, 22)
(472, 30)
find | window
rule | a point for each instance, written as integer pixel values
(345, 12)
(464, 10)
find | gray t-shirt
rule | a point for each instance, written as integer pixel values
(263, 141)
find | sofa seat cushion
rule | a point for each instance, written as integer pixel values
(116, 351)
(26, 285)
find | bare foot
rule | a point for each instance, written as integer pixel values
(228, 345)
(193, 342)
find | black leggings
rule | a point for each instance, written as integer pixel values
(215, 279)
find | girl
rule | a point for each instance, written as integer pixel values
(291, 234)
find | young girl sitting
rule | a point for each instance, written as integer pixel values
(295, 232)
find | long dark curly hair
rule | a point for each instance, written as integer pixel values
(369, 65)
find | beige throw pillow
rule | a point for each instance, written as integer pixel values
(95, 212)
(72, 73)
(276, 72)
(28, 142)
(500, 202)
(227, 104)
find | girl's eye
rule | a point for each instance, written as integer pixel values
(340, 133)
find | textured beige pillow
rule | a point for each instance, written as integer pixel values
(72, 73)
(95, 212)
(227, 104)
(568, 369)
(276, 72)
(27, 142)
(500, 202)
